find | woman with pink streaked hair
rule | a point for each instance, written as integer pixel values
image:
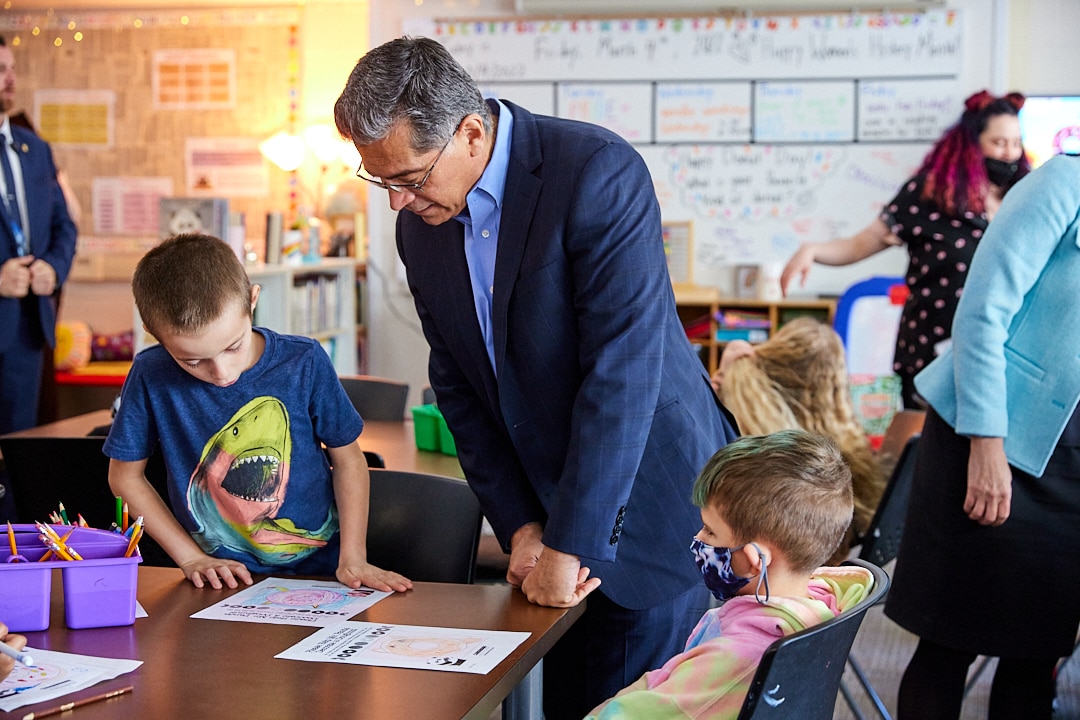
(939, 214)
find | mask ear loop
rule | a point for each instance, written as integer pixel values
(763, 577)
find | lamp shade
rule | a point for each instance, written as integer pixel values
(284, 150)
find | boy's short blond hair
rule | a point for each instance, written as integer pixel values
(187, 282)
(791, 489)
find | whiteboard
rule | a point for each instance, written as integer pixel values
(763, 133)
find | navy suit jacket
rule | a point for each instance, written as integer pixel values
(52, 233)
(600, 415)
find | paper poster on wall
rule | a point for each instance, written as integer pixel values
(679, 249)
(907, 109)
(804, 111)
(128, 205)
(623, 108)
(75, 117)
(535, 97)
(225, 167)
(782, 47)
(194, 79)
(706, 111)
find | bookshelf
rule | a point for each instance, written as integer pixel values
(315, 299)
(700, 308)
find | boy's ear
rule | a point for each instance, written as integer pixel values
(255, 290)
(753, 552)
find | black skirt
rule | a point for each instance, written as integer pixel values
(1007, 591)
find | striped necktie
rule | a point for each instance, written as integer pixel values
(11, 203)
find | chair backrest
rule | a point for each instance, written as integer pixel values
(867, 320)
(799, 675)
(45, 471)
(374, 459)
(376, 398)
(426, 527)
(882, 539)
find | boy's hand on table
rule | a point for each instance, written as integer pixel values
(356, 574)
(16, 641)
(215, 571)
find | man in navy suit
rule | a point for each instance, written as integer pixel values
(37, 243)
(581, 413)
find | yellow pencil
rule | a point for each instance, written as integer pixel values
(50, 553)
(136, 533)
(11, 540)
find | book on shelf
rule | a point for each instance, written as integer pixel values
(315, 303)
(752, 335)
(743, 319)
(698, 327)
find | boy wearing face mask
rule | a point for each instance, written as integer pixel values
(773, 508)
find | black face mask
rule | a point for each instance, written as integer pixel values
(999, 171)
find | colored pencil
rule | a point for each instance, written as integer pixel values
(18, 655)
(119, 510)
(77, 703)
(63, 514)
(11, 539)
(124, 526)
(50, 553)
(136, 533)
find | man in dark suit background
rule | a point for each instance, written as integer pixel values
(581, 413)
(37, 244)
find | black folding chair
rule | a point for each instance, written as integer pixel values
(799, 674)
(426, 527)
(376, 398)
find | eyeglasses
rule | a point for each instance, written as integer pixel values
(411, 187)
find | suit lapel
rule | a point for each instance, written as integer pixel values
(519, 203)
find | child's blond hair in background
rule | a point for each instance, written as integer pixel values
(798, 380)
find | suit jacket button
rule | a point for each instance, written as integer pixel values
(614, 538)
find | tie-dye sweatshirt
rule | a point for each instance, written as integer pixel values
(710, 678)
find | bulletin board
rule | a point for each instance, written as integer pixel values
(763, 132)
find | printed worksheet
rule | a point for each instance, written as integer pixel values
(56, 674)
(281, 601)
(408, 646)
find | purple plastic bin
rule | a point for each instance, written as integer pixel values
(99, 590)
(100, 593)
(25, 593)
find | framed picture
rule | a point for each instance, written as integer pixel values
(679, 249)
(747, 281)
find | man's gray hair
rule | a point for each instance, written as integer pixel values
(411, 79)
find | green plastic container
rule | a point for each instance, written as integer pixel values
(426, 420)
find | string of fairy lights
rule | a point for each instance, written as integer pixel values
(64, 26)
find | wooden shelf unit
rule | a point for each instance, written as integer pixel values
(694, 302)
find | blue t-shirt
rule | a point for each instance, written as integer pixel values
(247, 475)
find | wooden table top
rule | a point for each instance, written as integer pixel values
(211, 669)
(393, 440)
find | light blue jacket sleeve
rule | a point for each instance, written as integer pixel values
(1013, 370)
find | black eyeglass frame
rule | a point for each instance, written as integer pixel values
(411, 187)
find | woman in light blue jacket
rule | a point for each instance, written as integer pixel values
(990, 558)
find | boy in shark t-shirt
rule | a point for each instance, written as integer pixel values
(241, 415)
